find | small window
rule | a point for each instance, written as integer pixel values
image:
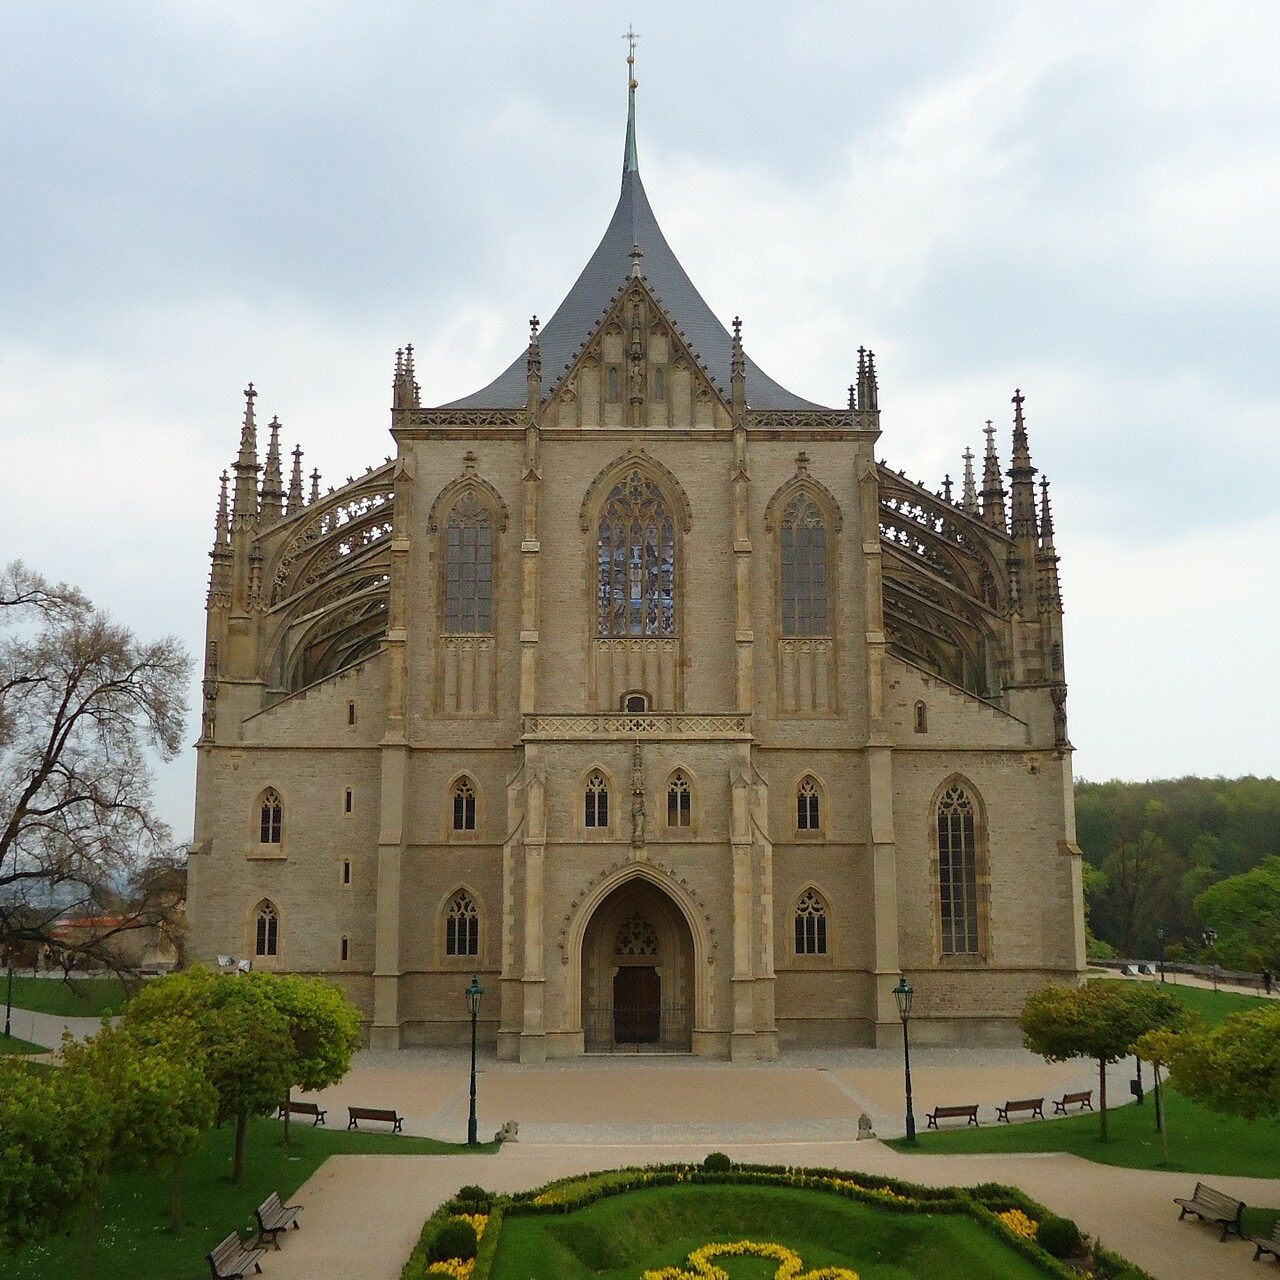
(635, 702)
(922, 718)
(679, 808)
(659, 385)
(346, 871)
(462, 926)
(346, 948)
(347, 801)
(614, 384)
(351, 713)
(271, 818)
(597, 800)
(811, 925)
(267, 941)
(808, 806)
(464, 805)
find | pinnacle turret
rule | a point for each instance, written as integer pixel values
(272, 504)
(1022, 476)
(533, 367)
(969, 500)
(315, 487)
(405, 392)
(738, 370)
(245, 503)
(222, 522)
(868, 391)
(992, 486)
(220, 571)
(295, 482)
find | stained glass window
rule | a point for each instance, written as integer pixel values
(808, 806)
(271, 818)
(679, 809)
(597, 800)
(804, 568)
(468, 583)
(637, 561)
(268, 931)
(958, 873)
(462, 926)
(464, 805)
(811, 925)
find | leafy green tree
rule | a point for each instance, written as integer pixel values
(1099, 1020)
(51, 1129)
(1234, 1067)
(1245, 911)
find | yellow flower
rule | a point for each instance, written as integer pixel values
(1018, 1223)
(700, 1264)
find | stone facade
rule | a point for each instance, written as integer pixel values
(646, 694)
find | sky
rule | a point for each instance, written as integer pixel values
(1079, 200)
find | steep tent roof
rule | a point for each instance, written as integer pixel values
(633, 224)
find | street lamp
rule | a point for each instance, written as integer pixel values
(902, 993)
(1210, 937)
(9, 952)
(473, 993)
(1160, 937)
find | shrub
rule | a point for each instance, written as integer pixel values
(473, 1195)
(717, 1162)
(454, 1239)
(1059, 1236)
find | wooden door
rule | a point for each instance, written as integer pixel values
(637, 1005)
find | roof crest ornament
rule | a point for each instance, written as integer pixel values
(630, 161)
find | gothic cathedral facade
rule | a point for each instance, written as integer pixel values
(634, 685)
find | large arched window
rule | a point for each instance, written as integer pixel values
(468, 567)
(637, 561)
(811, 924)
(803, 551)
(808, 806)
(267, 930)
(270, 818)
(958, 872)
(464, 805)
(679, 800)
(462, 926)
(597, 800)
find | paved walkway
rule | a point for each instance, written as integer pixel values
(47, 1029)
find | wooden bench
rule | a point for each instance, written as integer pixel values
(1212, 1206)
(952, 1113)
(1083, 1100)
(1034, 1105)
(374, 1113)
(231, 1260)
(303, 1109)
(274, 1216)
(1267, 1244)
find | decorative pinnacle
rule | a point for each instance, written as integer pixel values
(635, 253)
(737, 328)
(315, 485)
(533, 330)
(853, 404)
(1046, 515)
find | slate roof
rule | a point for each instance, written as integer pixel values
(633, 223)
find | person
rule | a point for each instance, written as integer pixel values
(1266, 981)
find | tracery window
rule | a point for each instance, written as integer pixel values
(958, 872)
(468, 581)
(464, 805)
(803, 538)
(808, 806)
(636, 937)
(811, 924)
(462, 926)
(637, 561)
(271, 818)
(679, 800)
(267, 932)
(597, 800)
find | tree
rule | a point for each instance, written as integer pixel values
(324, 1027)
(1245, 912)
(50, 1128)
(155, 1109)
(82, 703)
(1233, 1068)
(1099, 1020)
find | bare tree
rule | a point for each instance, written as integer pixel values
(83, 703)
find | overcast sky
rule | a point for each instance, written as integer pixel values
(1078, 199)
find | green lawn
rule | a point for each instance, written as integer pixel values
(1212, 1006)
(11, 1044)
(135, 1241)
(618, 1237)
(74, 998)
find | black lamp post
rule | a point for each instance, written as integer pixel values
(902, 993)
(1160, 937)
(9, 952)
(474, 992)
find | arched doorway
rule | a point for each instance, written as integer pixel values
(637, 974)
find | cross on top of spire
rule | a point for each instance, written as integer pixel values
(630, 162)
(631, 35)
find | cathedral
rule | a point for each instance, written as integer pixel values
(635, 686)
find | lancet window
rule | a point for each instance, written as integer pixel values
(958, 872)
(803, 551)
(808, 806)
(811, 924)
(596, 800)
(468, 583)
(462, 926)
(679, 800)
(271, 818)
(267, 930)
(464, 805)
(637, 561)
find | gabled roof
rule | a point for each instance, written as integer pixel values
(633, 224)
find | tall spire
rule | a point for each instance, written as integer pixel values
(222, 524)
(992, 484)
(970, 499)
(1022, 475)
(533, 367)
(1050, 590)
(295, 482)
(220, 570)
(630, 162)
(315, 486)
(868, 392)
(245, 505)
(405, 392)
(272, 480)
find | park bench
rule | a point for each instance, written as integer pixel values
(231, 1260)
(1034, 1105)
(1083, 1100)
(303, 1109)
(1212, 1206)
(274, 1216)
(952, 1113)
(1267, 1244)
(374, 1113)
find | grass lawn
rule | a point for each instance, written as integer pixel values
(1212, 1006)
(11, 1044)
(74, 998)
(135, 1241)
(618, 1237)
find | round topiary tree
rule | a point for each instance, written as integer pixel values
(477, 1199)
(454, 1239)
(717, 1162)
(1059, 1236)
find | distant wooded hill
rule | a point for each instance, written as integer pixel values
(1152, 848)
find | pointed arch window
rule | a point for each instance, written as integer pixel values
(469, 554)
(958, 872)
(679, 800)
(811, 924)
(808, 806)
(464, 805)
(267, 930)
(803, 553)
(597, 800)
(270, 818)
(462, 926)
(636, 591)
